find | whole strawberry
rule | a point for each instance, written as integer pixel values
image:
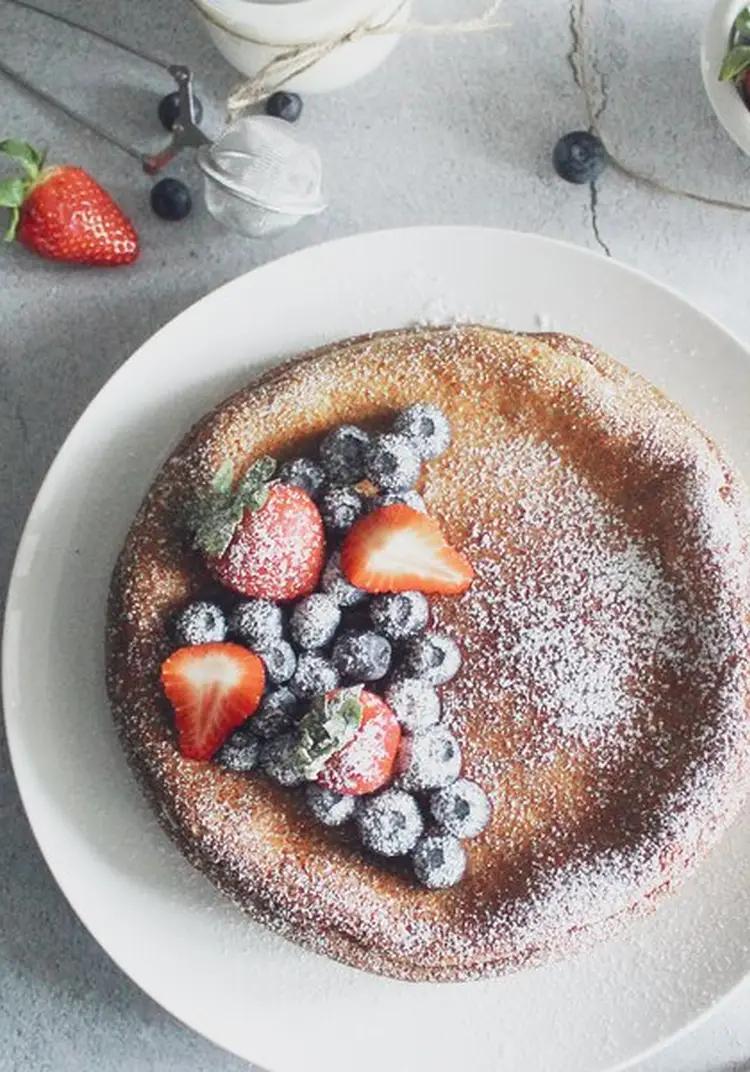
(63, 214)
(260, 538)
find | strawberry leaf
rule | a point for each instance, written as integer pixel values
(10, 230)
(26, 155)
(214, 532)
(12, 193)
(327, 727)
(736, 62)
(223, 478)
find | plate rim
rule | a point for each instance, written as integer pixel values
(12, 598)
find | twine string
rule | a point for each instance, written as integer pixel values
(294, 60)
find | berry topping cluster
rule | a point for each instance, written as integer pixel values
(319, 668)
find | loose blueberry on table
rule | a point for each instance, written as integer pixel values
(579, 157)
(736, 65)
(322, 672)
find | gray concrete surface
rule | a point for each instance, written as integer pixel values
(452, 131)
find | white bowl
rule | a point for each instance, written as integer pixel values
(730, 109)
(236, 27)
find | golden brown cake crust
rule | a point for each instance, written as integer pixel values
(603, 701)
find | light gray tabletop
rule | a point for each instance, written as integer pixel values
(449, 130)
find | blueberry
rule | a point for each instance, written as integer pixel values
(303, 473)
(341, 454)
(171, 200)
(426, 427)
(415, 703)
(329, 808)
(400, 615)
(280, 661)
(240, 751)
(284, 105)
(256, 623)
(391, 463)
(431, 657)
(279, 760)
(335, 584)
(439, 861)
(199, 623)
(579, 157)
(428, 759)
(314, 621)
(340, 508)
(314, 675)
(275, 714)
(362, 656)
(389, 823)
(408, 498)
(461, 809)
(169, 110)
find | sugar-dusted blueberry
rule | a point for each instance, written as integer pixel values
(199, 623)
(314, 621)
(362, 656)
(335, 584)
(407, 498)
(329, 808)
(391, 463)
(389, 823)
(428, 759)
(314, 675)
(340, 508)
(240, 751)
(280, 661)
(462, 809)
(399, 615)
(279, 759)
(341, 454)
(426, 427)
(414, 702)
(257, 623)
(275, 714)
(579, 157)
(432, 657)
(439, 861)
(304, 473)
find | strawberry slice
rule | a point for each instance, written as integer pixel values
(366, 762)
(213, 688)
(399, 549)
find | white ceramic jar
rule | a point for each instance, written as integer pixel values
(236, 26)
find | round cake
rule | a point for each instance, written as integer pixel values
(603, 702)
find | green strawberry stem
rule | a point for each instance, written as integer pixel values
(215, 518)
(13, 191)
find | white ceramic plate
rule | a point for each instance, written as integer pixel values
(249, 991)
(730, 109)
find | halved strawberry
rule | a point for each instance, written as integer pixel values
(399, 549)
(366, 762)
(213, 688)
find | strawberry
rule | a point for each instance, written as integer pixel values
(213, 689)
(261, 539)
(366, 762)
(63, 214)
(399, 549)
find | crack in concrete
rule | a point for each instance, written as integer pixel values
(577, 63)
(594, 206)
(22, 423)
(573, 55)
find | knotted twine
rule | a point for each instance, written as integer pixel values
(293, 60)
